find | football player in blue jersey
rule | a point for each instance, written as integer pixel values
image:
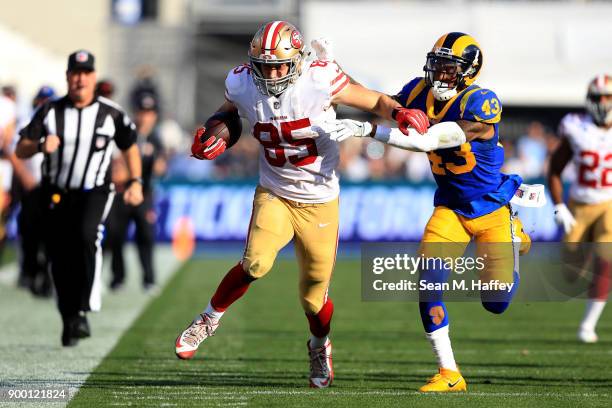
(473, 196)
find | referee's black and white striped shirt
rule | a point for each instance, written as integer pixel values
(82, 161)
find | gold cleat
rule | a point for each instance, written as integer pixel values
(445, 381)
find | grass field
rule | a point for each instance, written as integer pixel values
(526, 357)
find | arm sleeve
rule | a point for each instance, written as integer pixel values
(125, 131)
(440, 136)
(36, 130)
(481, 105)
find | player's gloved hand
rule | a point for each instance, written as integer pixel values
(324, 48)
(414, 118)
(206, 149)
(356, 128)
(564, 217)
(339, 130)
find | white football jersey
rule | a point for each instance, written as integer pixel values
(592, 156)
(293, 166)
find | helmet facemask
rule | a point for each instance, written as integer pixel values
(446, 73)
(600, 108)
(276, 86)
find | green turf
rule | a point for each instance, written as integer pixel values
(526, 357)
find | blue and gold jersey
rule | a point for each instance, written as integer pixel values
(469, 177)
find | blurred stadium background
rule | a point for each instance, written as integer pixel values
(539, 57)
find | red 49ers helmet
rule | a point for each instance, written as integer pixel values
(278, 42)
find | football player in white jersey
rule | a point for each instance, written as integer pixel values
(287, 102)
(587, 141)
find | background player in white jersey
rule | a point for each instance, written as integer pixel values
(284, 101)
(587, 141)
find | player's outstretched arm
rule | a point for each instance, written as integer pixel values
(558, 161)
(359, 97)
(440, 136)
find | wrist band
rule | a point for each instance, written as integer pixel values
(134, 180)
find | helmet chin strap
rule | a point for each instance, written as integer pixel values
(442, 93)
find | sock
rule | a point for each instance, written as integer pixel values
(317, 342)
(431, 307)
(321, 322)
(212, 312)
(592, 313)
(441, 346)
(232, 287)
(600, 286)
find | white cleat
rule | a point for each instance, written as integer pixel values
(189, 340)
(321, 368)
(587, 336)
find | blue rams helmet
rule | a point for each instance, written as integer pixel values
(452, 65)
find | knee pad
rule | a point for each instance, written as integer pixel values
(257, 267)
(498, 301)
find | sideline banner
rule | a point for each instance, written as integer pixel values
(368, 212)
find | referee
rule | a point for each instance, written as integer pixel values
(77, 134)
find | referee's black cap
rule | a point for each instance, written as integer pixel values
(81, 60)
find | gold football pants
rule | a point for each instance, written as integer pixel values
(498, 236)
(314, 228)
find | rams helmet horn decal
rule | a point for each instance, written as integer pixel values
(452, 65)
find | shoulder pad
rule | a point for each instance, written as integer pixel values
(570, 123)
(328, 75)
(410, 91)
(237, 80)
(481, 105)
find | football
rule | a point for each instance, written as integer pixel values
(224, 125)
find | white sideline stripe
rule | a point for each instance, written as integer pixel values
(95, 297)
(31, 354)
(245, 393)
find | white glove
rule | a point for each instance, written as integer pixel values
(324, 48)
(334, 129)
(357, 129)
(341, 129)
(564, 217)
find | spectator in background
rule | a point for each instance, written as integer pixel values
(10, 92)
(105, 88)
(33, 273)
(417, 167)
(240, 162)
(153, 165)
(8, 121)
(532, 150)
(145, 85)
(353, 166)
